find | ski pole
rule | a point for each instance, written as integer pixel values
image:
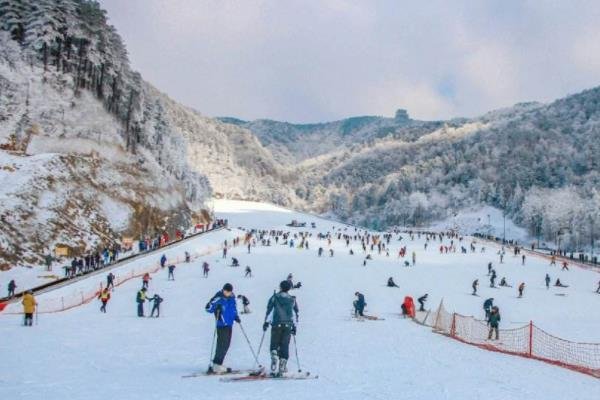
(262, 339)
(296, 350)
(212, 348)
(249, 345)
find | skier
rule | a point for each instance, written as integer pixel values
(187, 257)
(171, 276)
(359, 304)
(474, 286)
(245, 303)
(249, 246)
(487, 307)
(504, 283)
(493, 279)
(422, 301)
(235, 262)
(225, 251)
(29, 305)
(146, 280)
(489, 268)
(408, 307)
(547, 281)
(598, 290)
(330, 252)
(493, 321)
(521, 288)
(156, 299)
(141, 299)
(523, 259)
(248, 272)
(391, 283)
(163, 261)
(205, 269)
(223, 306)
(414, 258)
(565, 266)
(12, 286)
(553, 260)
(284, 307)
(104, 296)
(110, 279)
(320, 252)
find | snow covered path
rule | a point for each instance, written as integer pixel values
(83, 354)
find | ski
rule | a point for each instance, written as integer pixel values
(228, 372)
(369, 318)
(264, 376)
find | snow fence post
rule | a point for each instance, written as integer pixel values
(453, 327)
(530, 338)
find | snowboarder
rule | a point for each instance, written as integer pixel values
(521, 288)
(359, 304)
(547, 281)
(141, 299)
(559, 283)
(110, 281)
(12, 286)
(248, 272)
(422, 301)
(284, 307)
(487, 307)
(205, 269)
(171, 276)
(29, 305)
(474, 286)
(391, 283)
(494, 321)
(245, 303)
(224, 308)
(104, 296)
(163, 261)
(156, 299)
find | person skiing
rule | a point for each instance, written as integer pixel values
(248, 272)
(487, 307)
(523, 259)
(188, 257)
(104, 296)
(489, 268)
(521, 288)
(494, 322)
(12, 286)
(474, 286)
(284, 307)
(408, 307)
(493, 279)
(547, 281)
(163, 261)
(504, 283)
(422, 301)
(391, 283)
(29, 305)
(141, 299)
(553, 260)
(156, 300)
(171, 276)
(146, 280)
(359, 304)
(565, 266)
(223, 306)
(598, 290)
(225, 251)
(414, 258)
(110, 281)
(235, 262)
(205, 269)
(245, 303)
(320, 252)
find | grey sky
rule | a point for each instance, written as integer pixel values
(308, 61)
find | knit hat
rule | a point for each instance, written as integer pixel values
(228, 287)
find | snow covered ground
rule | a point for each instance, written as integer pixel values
(85, 354)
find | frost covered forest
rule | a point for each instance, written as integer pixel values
(67, 93)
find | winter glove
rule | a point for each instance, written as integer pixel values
(265, 326)
(207, 307)
(237, 319)
(293, 331)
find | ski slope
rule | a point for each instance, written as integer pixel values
(83, 354)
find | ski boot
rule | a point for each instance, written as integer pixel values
(282, 367)
(218, 369)
(274, 361)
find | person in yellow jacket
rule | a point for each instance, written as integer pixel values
(29, 305)
(104, 297)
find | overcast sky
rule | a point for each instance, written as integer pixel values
(308, 61)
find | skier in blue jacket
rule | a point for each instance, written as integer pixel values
(223, 306)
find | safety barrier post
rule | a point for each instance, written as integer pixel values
(453, 328)
(530, 338)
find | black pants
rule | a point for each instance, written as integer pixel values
(103, 307)
(28, 319)
(280, 340)
(140, 309)
(157, 309)
(223, 342)
(171, 276)
(11, 292)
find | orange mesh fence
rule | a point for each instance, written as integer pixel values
(84, 296)
(527, 341)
